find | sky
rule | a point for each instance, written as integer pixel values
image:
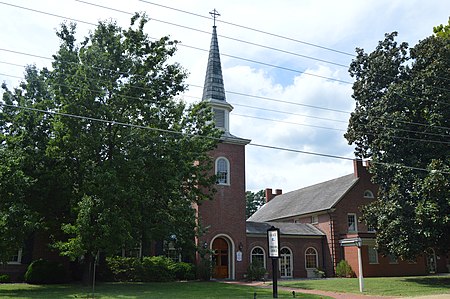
(285, 65)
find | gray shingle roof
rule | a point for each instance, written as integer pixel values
(307, 200)
(213, 87)
(286, 228)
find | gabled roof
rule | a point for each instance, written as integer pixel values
(315, 198)
(286, 228)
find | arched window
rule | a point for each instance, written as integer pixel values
(368, 194)
(223, 171)
(285, 262)
(311, 261)
(257, 256)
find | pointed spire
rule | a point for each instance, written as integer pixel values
(213, 88)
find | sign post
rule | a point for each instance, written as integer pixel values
(358, 243)
(273, 239)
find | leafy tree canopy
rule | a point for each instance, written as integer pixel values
(254, 200)
(87, 148)
(401, 123)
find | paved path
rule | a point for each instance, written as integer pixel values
(333, 294)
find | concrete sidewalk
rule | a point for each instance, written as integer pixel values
(333, 294)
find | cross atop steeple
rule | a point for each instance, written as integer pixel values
(214, 14)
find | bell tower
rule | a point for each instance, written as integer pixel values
(224, 216)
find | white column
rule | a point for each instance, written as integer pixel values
(360, 270)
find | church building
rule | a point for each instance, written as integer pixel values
(316, 223)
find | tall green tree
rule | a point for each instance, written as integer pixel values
(103, 155)
(254, 200)
(401, 123)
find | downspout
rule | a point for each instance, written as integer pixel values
(332, 240)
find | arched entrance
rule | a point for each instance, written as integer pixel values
(431, 260)
(221, 258)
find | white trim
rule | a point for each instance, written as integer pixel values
(368, 194)
(264, 255)
(291, 262)
(19, 258)
(376, 255)
(317, 257)
(356, 223)
(227, 183)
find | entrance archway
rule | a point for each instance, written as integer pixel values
(221, 258)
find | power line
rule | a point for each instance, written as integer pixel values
(235, 57)
(196, 135)
(230, 38)
(418, 132)
(252, 29)
(275, 35)
(294, 123)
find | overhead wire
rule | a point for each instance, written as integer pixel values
(316, 107)
(206, 32)
(252, 29)
(308, 125)
(293, 123)
(113, 122)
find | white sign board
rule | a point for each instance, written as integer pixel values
(272, 236)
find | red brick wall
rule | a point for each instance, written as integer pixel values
(297, 245)
(384, 267)
(225, 214)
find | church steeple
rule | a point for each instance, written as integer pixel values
(214, 90)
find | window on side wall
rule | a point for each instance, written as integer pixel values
(351, 223)
(373, 255)
(258, 256)
(16, 258)
(314, 219)
(368, 194)
(311, 259)
(392, 258)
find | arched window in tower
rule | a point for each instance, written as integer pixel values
(223, 171)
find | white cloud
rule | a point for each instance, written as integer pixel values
(341, 25)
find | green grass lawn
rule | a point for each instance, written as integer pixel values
(175, 290)
(385, 286)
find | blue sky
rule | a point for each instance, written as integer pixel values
(338, 25)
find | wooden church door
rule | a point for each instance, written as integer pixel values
(220, 259)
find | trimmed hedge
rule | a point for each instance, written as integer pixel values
(45, 272)
(148, 269)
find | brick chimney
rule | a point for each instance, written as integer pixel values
(270, 195)
(360, 168)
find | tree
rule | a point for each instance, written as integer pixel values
(104, 157)
(253, 202)
(401, 123)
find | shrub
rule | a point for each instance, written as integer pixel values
(255, 271)
(4, 278)
(45, 272)
(343, 269)
(320, 273)
(157, 268)
(204, 269)
(124, 268)
(148, 269)
(184, 271)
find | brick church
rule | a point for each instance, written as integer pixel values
(316, 223)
